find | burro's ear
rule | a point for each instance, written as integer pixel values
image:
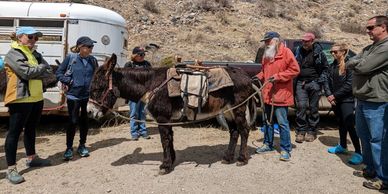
(111, 64)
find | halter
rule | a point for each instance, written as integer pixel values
(110, 88)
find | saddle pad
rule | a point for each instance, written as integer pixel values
(218, 78)
(173, 86)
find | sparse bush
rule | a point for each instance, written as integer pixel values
(223, 3)
(78, 1)
(222, 18)
(205, 5)
(301, 26)
(356, 8)
(317, 31)
(352, 27)
(151, 6)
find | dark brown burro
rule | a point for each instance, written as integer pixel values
(110, 83)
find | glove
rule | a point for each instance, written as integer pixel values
(271, 79)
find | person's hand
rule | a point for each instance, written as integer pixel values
(271, 79)
(331, 99)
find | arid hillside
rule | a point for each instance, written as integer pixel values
(231, 29)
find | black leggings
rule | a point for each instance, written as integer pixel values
(73, 107)
(22, 115)
(345, 116)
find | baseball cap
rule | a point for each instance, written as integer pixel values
(270, 35)
(28, 30)
(138, 50)
(308, 36)
(84, 40)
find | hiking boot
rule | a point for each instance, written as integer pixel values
(146, 136)
(375, 184)
(364, 173)
(82, 151)
(13, 176)
(134, 138)
(356, 159)
(310, 137)
(338, 149)
(299, 138)
(285, 156)
(68, 155)
(263, 149)
(38, 162)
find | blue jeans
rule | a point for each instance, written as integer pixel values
(280, 112)
(136, 111)
(371, 126)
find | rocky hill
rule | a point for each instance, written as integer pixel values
(231, 29)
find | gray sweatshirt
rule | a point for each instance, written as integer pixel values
(370, 72)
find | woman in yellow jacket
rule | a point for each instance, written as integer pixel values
(25, 69)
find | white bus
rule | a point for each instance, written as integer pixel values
(62, 24)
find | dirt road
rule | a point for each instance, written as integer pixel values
(118, 165)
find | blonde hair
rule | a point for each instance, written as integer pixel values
(341, 61)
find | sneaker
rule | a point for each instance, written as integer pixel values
(300, 138)
(134, 138)
(38, 162)
(68, 155)
(146, 136)
(13, 176)
(364, 173)
(356, 159)
(263, 149)
(375, 184)
(338, 149)
(284, 156)
(310, 137)
(82, 151)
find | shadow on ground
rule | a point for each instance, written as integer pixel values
(201, 155)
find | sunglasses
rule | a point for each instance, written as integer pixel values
(370, 28)
(333, 52)
(141, 54)
(89, 47)
(33, 37)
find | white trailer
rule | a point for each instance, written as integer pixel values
(62, 24)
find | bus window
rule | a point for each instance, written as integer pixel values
(6, 22)
(42, 23)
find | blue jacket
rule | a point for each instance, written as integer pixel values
(78, 76)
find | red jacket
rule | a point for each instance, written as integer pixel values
(283, 68)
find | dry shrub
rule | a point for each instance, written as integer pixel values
(78, 1)
(205, 5)
(221, 16)
(356, 8)
(352, 27)
(224, 3)
(316, 30)
(209, 29)
(151, 6)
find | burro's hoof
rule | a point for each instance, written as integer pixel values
(164, 171)
(223, 161)
(240, 163)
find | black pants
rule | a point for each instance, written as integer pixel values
(74, 107)
(344, 113)
(22, 115)
(307, 96)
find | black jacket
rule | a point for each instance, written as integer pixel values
(133, 64)
(339, 85)
(320, 61)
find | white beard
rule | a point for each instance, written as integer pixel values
(270, 52)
